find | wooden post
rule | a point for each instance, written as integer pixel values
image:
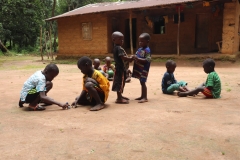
(46, 36)
(178, 30)
(130, 28)
(41, 42)
(50, 37)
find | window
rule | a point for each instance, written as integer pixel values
(159, 25)
(87, 31)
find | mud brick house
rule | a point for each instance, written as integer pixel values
(175, 26)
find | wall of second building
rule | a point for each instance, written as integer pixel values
(70, 35)
(167, 43)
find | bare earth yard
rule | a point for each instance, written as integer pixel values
(165, 128)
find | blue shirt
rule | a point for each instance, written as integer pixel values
(36, 81)
(167, 80)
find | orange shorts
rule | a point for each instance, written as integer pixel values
(207, 93)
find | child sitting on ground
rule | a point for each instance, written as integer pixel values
(121, 66)
(109, 68)
(142, 61)
(128, 76)
(96, 65)
(95, 86)
(212, 87)
(37, 86)
(169, 83)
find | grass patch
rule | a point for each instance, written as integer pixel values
(65, 61)
(228, 89)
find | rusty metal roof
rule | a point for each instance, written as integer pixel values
(112, 6)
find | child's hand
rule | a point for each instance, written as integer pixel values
(74, 104)
(64, 105)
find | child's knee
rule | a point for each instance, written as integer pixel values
(49, 85)
(89, 85)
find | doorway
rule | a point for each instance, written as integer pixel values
(202, 33)
(127, 33)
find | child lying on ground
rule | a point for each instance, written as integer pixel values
(95, 86)
(212, 87)
(128, 76)
(37, 86)
(169, 83)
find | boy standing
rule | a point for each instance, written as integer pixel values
(95, 86)
(169, 83)
(141, 66)
(121, 66)
(212, 87)
(35, 88)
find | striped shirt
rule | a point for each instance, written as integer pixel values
(214, 81)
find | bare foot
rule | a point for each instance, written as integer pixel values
(122, 101)
(125, 98)
(20, 104)
(181, 94)
(97, 107)
(36, 108)
(143, 100)
(139, 98)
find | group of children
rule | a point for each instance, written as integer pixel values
(96, 84)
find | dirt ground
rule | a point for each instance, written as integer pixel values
(165, 128)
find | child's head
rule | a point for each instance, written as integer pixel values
(96, 63)
(170, 65)
(51, 71)
(208, 65)
(108, 61)
(144, 39)
(85, 65)
(117, 38)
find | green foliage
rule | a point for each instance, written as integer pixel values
(21, 20)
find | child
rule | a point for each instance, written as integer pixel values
(109, 68)
(212, 87)
(95, 86)
(121, 67)
(169, 83)
(129, 75)
(37, 86)
(96, 65)
(141, 66)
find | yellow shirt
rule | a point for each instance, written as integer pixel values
(102, 82)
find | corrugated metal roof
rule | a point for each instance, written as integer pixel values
(111, 6)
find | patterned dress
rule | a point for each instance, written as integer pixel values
(140, 71)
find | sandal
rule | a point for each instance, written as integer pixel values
(37, 108)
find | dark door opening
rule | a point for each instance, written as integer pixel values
(127, 33)
(202, 33)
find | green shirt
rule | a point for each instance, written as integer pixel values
(214, 81)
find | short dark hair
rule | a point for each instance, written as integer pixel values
(170, 63)
(116, 34)
(84, 60)
(52, 68)
(145, 36)
(209, 62)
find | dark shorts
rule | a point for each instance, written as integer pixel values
(89, 100)
(31, 97)
(119, 81)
